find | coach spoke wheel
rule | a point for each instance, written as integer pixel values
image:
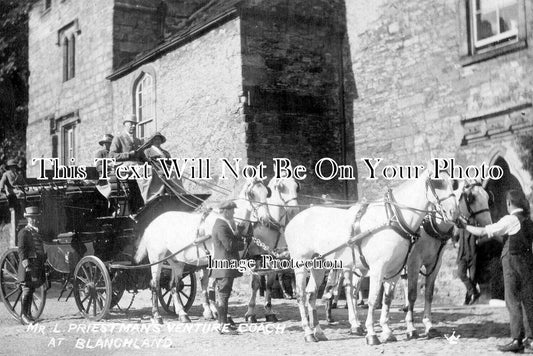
(11, 290)
(185, 288)
(92, 288)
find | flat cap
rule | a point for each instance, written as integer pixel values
(228, 204)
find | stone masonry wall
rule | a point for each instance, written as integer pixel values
(88, 92)
(412, 87)
(197, 89)
(291, 61)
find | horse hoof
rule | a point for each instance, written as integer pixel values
(231, 322)
(390, 338)
(432, 333)
(157, 320)
(330, 320)
(321, 336)
(271, 318)
(372, 340)
(208, 315)
(250, 319)
(310, 338)
(358, 331)
(184, 319)
(287, 296)
(411, 335)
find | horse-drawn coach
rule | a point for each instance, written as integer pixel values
(90, 241)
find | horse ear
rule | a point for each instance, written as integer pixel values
(460, 187)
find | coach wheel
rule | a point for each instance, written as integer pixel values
(92, 288)
(11, 289)
(185, 288)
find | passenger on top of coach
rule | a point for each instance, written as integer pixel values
(9, 181)
(124, 145)
(516, 232)
(103, 152)
(32, 258)
(155, 151)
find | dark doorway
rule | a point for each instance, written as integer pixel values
(489, 267)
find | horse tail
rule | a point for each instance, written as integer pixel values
(142, 251)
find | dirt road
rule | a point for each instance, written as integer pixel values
(62, 331)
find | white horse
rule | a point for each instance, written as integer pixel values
(283, 205)
(388, 228)
(474, 204)
(178, 231)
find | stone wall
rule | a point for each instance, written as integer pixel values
(86, 98)
(292, 83)
(415, 84)
(197, 90)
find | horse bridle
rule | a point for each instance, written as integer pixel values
(468, 190)
(438, 201)
(250, 197)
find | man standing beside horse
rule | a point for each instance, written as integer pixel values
(227, 245)
(516, 231)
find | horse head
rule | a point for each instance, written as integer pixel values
(440, 193)
(252, 201)
(475, 202)
(283, 202)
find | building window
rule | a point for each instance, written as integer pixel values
(69, 143)
(144, 103)
(494, 21)
(69, 57)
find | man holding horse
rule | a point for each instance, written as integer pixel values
(227, 245)
(516, 232)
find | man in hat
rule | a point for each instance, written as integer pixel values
(123, 146)
(227, 245)
(103, 152)
(32, 258)
(10, 179)
(155, 151)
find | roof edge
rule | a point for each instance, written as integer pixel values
(173, 43)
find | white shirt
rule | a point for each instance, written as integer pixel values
(508, 225)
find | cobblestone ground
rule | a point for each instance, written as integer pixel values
(479, 328)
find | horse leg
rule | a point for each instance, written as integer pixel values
(179, 309)
(250, 313)
(286, 294)
(388, 295)
(154, 287)
(412, 287)
(430, 287)
(376, 279)
(269, 314)
(351, 279)
(300, 276)
(211, 292)
(312, 291)
(329, 294)
(206, 302)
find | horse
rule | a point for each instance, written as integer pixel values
(184, 234)
(269, 239)
(389, 229)
(474, 203)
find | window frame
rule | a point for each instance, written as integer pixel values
(140, 91)
(469, 53)
(68, 143)
(479, 45)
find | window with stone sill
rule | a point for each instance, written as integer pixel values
(66, 39)
(68, 143)
(144, 104)
(493, 27)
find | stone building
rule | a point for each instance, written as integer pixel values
(450, 78)
(238, 79)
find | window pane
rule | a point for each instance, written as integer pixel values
(487, 25)
(509, 18)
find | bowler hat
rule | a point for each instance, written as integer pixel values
(130, 118)
(107, 138)
(11, 162)
(31, 211)
(163, 138)
(228, 204)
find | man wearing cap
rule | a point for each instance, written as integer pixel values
(226, 247)
(103, 152)
(10, 179)
(123, 146)
(32, 258)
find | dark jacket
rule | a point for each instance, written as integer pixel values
(122, 145)
(467, 246)
(102, 153)
(31, 248)
(227, 247)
